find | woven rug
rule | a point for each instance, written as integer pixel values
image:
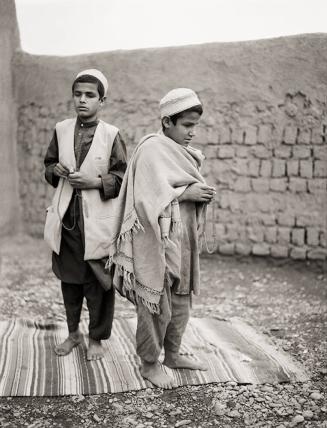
(233, 350)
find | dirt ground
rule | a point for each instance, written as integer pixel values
(285, 300)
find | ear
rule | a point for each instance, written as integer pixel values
(166, 122)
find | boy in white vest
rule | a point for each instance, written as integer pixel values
(156, 249)
(85, 162)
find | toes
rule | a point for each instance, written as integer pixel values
(94, 357)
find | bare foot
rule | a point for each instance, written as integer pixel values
(153, 372)
(95, 351)
(177, 361)
(68, 344)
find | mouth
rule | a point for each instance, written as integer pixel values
(82, 108)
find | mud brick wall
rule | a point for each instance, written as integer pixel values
(263, 132)
(35, 130)
(272, 191)
(9, 42)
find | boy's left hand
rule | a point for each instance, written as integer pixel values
(80, 180)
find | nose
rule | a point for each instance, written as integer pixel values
(82, 98)
(192, 132)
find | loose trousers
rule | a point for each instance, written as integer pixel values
(165, 330)
(100, 304)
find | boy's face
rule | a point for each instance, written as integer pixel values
(86, 100)
(184, 130)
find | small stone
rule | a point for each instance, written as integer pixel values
(267, 388)
(78, 398)
(307, 414)
(316, 396)
(259, 399)
(297, 419)
(149, 415)
(183, 423)
(234, 414)
(96, 418)
(175, 412)
(219, 409)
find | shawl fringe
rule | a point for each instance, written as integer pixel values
(128, 234)
(145, 199)
(128, 287)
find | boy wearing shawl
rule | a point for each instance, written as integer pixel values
(85, 162)
(155, 249)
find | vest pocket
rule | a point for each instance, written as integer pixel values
(52, 229)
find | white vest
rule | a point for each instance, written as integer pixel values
(96, 212)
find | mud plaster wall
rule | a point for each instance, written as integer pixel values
(263, 131)
(9, 199)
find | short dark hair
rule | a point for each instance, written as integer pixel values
(87, 78)
(196, 109)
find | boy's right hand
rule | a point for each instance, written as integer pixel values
(60, 170)
(198, 192)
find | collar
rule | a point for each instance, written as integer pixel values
(81, 124)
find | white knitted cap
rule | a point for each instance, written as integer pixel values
(178, 100)
(95, 73)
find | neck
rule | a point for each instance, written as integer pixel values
(88, 119)
(168, 136)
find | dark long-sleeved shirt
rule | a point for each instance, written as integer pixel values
(83, 137)
(69, 266)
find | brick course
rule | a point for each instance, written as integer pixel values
(271, 180)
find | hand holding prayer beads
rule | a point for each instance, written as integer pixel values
(198, 192)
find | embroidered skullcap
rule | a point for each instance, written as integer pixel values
(178, 100)
(95, 73)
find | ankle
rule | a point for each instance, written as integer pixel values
(74, 334)
(149, 365)
(94, 342)
(169, 355)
